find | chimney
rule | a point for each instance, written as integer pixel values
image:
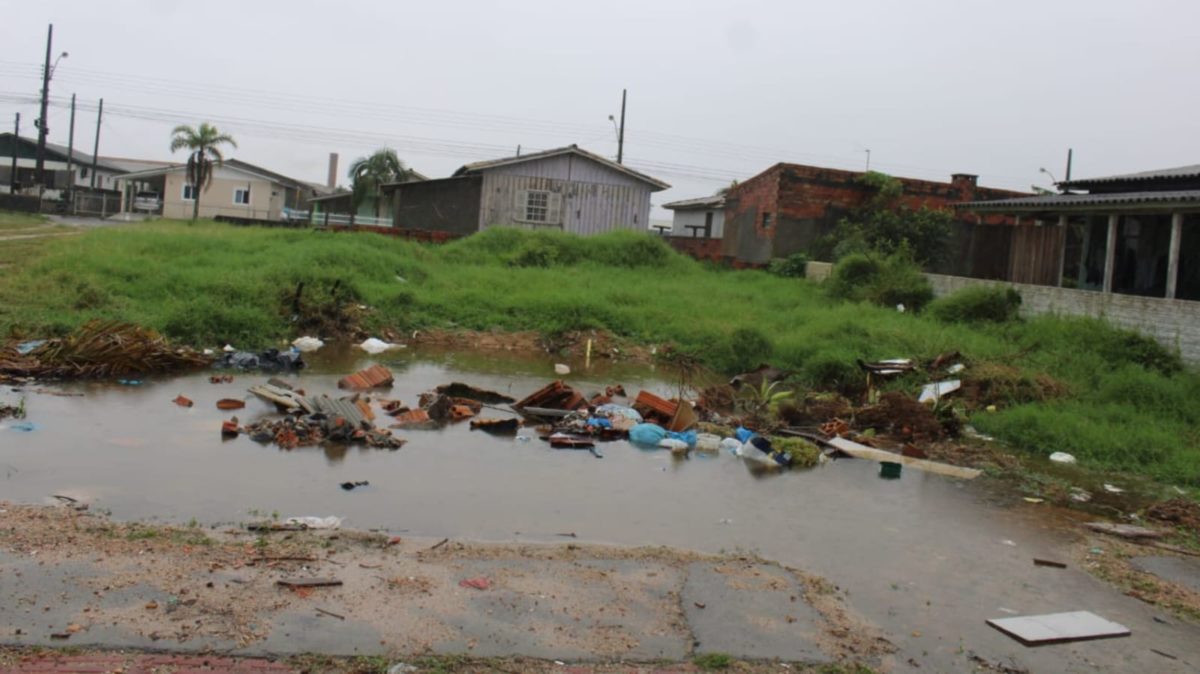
(965, 183)
(333, 174)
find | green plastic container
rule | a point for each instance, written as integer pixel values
(889, 470)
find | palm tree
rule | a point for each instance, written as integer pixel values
(725, 190)
(203, 144)
(369, 174)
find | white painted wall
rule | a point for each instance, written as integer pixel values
(697, 217)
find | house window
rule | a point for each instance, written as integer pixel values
(241, 196)
(537, 206)
(83, 172)
(708, 223)
(766, 220)
(189, 192)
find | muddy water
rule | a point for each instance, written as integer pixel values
(923, 550)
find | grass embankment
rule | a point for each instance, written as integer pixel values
(13, 220)
(210, 284)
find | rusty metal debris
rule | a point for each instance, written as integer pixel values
(498, 426)
(373, 377)
(98, 349)
(556, 395)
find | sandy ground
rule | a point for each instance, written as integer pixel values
(74, 578)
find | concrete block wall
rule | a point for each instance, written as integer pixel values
(1173, 323)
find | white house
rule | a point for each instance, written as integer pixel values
(703, 217)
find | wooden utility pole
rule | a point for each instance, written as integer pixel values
(12, 176)
(41, 122)
(71, 148)
(96, 150)
(620, 132)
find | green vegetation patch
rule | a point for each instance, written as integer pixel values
(1113, 398)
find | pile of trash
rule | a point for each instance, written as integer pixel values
(270, 360)
(98, 349)
(312, 420)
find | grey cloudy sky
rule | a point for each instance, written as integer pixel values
(717, 90)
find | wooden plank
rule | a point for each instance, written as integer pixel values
(863, 452)
(1056, 628)
(308, 582)
(1123, 530)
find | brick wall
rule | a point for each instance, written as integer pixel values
(699, 248)
(1173, 323)
(806, 202)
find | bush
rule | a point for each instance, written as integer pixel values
(977, 304)
(792, 266)
(886, 281)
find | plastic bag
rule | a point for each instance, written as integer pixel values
(648, 435)
(743, 434)
(673, 444)
(707, 442)
(686, 437)
(307, 344)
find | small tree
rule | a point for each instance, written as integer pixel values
(204, 144)
(883, 224)
(370, 174)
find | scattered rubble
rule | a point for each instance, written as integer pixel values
(375, 376)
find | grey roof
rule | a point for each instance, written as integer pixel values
(570, 149)
(127, 165)
(1074, 201)
(697, 203)
(343, 194)
(1189, 171)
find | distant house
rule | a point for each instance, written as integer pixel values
(1133, 234)
(339, 205)
(703, 217)
(239, 190)
(784, 209)
(566, 188)
(63, 169)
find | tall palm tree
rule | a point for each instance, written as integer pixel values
(203, 144)
(369, 174)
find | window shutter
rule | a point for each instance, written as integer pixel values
(554, 209)
(521, 198)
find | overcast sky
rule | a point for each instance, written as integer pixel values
(717, 90)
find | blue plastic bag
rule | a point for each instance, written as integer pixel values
(743, 434)
(687, 436)
(648, 435)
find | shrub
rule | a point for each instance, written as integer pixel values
(792, 266)
(886, 281)
(977, 304)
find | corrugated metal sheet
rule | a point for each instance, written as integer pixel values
(586, 208)
(1190, 171)
(570, 150)
(699, 203)
(1069, 201)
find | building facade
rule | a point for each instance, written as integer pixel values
(786, 208)
(567, 188)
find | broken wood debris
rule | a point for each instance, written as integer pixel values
(308, 582)
(1049, 562)
(460, 390)
(859, 451)
(1124, 530)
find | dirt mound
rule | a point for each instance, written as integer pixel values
(816, 409)
(998, 384)
(901, 417)
(1179, 511)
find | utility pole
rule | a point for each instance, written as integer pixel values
(868, 151)
(96, 151)
(41, 123)
(12, 176)
(71, 148)
(1069, 153)
(620, 133)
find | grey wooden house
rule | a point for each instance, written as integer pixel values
(566, 188)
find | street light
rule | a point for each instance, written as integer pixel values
(42, 127)
(1052, 178)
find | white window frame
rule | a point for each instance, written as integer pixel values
(183, 192)
(239, 191)
(531, 209)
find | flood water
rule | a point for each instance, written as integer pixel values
(923, 549)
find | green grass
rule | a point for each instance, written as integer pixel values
(15, 220)
(711, 662)
(1125, 408)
